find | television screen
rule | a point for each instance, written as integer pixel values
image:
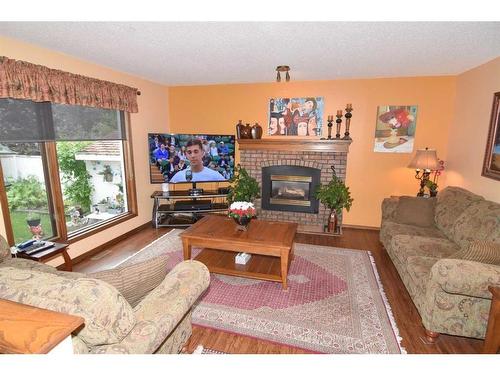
(177, 158)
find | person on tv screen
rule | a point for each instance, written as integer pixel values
(223, 149)
(160, 154)
(197, 172)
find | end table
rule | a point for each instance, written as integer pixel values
(45, 255)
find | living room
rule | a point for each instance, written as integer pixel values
(451, 88)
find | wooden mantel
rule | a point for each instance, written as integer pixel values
(298, 144)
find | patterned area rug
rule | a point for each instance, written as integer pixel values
(334, 303)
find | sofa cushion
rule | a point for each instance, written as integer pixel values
(390, 229)
(108, 316)
(404, 246)
(415, 211)
(419, 270)
(479, 221)
(136, 280)
(450, 204)
(480, 251)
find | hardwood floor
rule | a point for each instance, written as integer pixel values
(405, 312)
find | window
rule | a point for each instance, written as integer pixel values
(26, 185)
(64, 170)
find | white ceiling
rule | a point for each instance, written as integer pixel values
(199, 53)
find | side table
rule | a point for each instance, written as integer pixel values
(45, 255)
(29, 329)
(492, 339)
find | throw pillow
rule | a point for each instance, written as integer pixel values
(135, 281)
(480, 251)
(417, 211)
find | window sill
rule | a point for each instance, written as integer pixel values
(78, 236)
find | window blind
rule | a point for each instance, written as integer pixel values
(28, 121)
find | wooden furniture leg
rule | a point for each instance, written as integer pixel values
(186, 249)
(67, 261)
(431, 336)
(492, 339)
(284, 267)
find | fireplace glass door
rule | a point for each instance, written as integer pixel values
(290, 188)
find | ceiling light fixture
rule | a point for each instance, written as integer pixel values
(283, 68)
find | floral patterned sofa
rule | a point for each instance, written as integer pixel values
(451, 295)
(160, 323)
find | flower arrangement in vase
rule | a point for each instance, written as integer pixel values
(242, 213)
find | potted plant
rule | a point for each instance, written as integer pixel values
(336, 196)
(102, 206)
(243, 187)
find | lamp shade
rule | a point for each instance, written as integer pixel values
(425, 159)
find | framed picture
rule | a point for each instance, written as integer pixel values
(395, 128)
(491, 166)
(295, 116)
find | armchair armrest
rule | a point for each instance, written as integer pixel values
(389, 208)
(465, 277)
(162, 309)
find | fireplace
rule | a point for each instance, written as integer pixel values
(293, 196)
(290, 188)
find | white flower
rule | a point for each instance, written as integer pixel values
(241, 206)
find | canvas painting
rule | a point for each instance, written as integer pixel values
(295, 116)
(491, 166)
(395, 129)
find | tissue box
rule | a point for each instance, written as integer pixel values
(242, 258)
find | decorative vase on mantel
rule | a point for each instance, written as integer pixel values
(243, 131)
(256, 131)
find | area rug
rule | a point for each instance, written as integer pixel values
(335, 302)
(201, 350)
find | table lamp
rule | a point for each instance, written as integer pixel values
(424, 162)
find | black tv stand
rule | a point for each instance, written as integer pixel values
(167, 214)
(194, 192)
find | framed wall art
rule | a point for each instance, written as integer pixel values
(295, 116)
(395, 128)
(491, 166)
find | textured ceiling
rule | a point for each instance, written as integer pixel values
(198, 53)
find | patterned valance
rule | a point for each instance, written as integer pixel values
(23, 80)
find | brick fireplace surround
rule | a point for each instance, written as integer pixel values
(321, 154)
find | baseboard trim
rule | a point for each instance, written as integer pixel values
(112, 242)
(359, 227)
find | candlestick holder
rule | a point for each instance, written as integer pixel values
(348, 116)
(339, 123)
(330, 125)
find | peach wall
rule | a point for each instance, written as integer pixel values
(152, 117)
(371, 176)
(469, 130)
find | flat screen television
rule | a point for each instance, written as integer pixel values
(190, 158)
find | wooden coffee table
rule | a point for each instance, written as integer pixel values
(269, 242)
